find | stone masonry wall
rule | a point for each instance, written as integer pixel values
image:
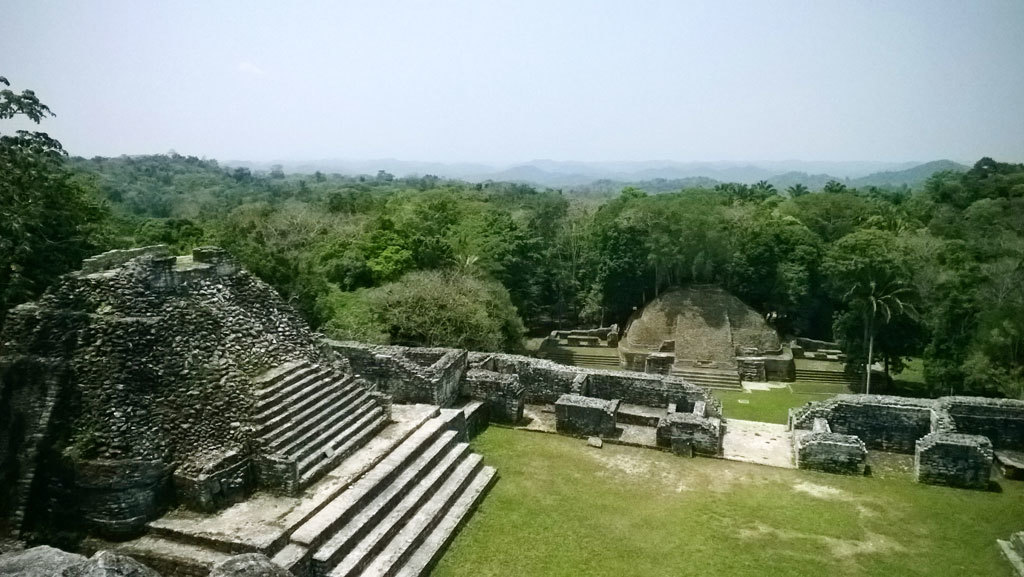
(501, 392)
(585, 416)
(1001, 420)
(407, 374)
(160, 354)
(883, 422)
(545, 381)
(952, 459)
(823, 450)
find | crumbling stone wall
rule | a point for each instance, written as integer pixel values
(407, 374)
(1001, 420)
(159, 352)
(822, 450)
(953, 459)
(883, 422)
(690, 431)
(585, 416)
(502, 393)
(545, 382)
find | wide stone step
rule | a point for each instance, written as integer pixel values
(427, 554)
(408, 539)
(366, 532)
(348, 441)
(335, 514)
(267, 389)
(303, 425)
(314, 389)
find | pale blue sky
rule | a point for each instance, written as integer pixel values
(509, 81)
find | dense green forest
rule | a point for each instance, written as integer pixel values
(936, 272)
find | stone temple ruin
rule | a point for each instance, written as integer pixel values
(707, 336)
(176, 410)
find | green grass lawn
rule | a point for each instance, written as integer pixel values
(771, 406)
(562, 508)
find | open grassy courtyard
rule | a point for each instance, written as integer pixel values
(562, 508)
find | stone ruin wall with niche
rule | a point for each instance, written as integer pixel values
(136, 369)
(953, 439)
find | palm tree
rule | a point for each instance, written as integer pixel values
(797, 189)
(885, 298)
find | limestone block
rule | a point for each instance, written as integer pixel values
(955, 460)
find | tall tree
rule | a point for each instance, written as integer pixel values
(48, 218)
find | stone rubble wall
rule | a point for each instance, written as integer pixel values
(822, 450)
(160, 353)
(1001, 420)
(407, 374)
(883, 422)
(955, 460)
(585, 416)
(502, 393)
(691, 432)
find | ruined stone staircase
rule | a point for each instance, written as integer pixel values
(399, 516)
(713, 378)
(308, 419)
(855, 382)
(390, 509)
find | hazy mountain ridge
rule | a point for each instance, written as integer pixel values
(599, 175)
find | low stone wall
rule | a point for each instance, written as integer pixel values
(501, 392)
(885, 423)
(702, 435)
(585, 416)
(407, 374)
(115, 258)
(115, 499)
(544, 382)
(1001, 420)
(822, 450)
(955, 460)
(218, 480)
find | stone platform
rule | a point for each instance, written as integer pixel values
(389, 508)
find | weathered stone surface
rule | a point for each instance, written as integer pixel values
(595, 442)
(703, 434)
(585, 416)
(249, 565)
(407, 374)
(502, 393)
(823, 450)
(110, 564)
(39, 562)
(955, 460)
(148, 361)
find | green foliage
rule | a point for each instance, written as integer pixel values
(428, 308)
(49, 219)
(331, 244)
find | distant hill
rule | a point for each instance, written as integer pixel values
(912, 177)
(651, 175)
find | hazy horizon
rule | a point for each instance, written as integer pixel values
(508, 83)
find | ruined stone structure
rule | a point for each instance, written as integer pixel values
(1013, 550)
(178, 406)
(146, 380)
(707, 336)
(953, 439)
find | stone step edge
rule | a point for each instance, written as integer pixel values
(430, 551)
(368, 542)
(340, 435)
(318, 388)
(314, 469)
(328, 518)
(412, 535)
(276, 388)
(174, 536)
(299, 428)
